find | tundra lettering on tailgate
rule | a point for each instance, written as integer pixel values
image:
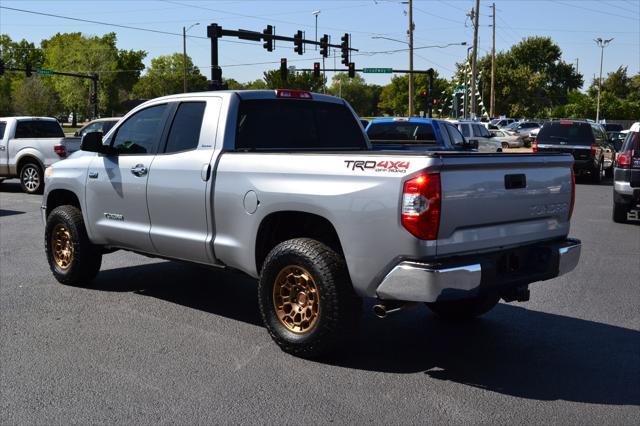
(378, 166)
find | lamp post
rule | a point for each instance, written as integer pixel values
(184, 55)
(601, 44)
(316, 13)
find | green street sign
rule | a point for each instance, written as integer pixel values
(377, 70)
(47, 72)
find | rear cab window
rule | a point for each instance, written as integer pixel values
(566, 133)
(3, 125)
(38, 129)
(292, 125)
(402, 131)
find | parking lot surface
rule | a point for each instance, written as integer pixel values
(154, 341)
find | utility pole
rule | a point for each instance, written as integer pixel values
(601, 44)
(577, 63)
(492, 102)
(184, 56)
(475, 18)
(410, 58)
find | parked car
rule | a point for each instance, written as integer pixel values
(616, 138)
(499, 123)
(257, 182)
(102, 125)
(508, 140)
(28, 145)
(587, 142)
(524, 129)
(476, 132)
(416, 134)
(626, 180)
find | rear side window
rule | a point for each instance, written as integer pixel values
(401, 131)
(3, 125)
(455, 135)
(38, 129)
(464, 128)
(272, 124)
(566, 133)
(185, 130)
(632, 143)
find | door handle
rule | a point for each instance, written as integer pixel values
(2, 147)
(139, 170)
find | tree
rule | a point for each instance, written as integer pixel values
(299, 81)
(15, 55)
(33, 97)
(531, 78)
(394, 97)
(362, 97)
(165, 77)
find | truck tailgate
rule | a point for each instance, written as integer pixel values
(492, 201)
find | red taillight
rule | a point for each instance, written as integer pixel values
(421, 206)
(534, 146)
(573, 193)
(293, 94)
(61, 150)
(594, 149)
(623, 160)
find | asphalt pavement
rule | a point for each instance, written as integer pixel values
(155, 342)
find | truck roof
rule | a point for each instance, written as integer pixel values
(25, 117)
(404, 120)
(252, 94)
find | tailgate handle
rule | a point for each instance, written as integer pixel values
(515, 181)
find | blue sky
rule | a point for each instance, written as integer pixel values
(573, 24)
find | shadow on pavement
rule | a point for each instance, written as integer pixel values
(511, 350)
(12, 186)
(4, 212)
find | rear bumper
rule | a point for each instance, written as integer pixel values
(466, 277)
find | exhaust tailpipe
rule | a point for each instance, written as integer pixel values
(384, 309)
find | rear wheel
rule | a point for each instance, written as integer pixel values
(305, 298)
(619, 212)
(505, 145)
(31, 178)
(597, 173)
(466, 309)
(72, 258)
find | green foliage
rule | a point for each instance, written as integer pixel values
(165, 77)
(298, 81)
(33, 97)
(360, 95)
(394, 97)
(531, 78)
(15, 55)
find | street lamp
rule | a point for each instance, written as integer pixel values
(601, 44)
(316, 13)
(184, 55)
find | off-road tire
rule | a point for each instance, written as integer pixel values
(86, 257)
(619, 214)
(31, 178)
(339, 307)
(466, 309)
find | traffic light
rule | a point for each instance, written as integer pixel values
(268, 41)
(424, 94)
(27, 70)
(94, 98)
(316, 69)
(324, 46)
(344, 47)
(352, 70)
(297, 41)
(1, 67)
(283, 70)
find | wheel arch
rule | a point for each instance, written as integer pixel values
(28, 158)
(61, 197)
(285, 225)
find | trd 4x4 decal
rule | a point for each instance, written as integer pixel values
(378, 166)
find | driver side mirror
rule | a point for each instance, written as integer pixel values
(92, 142)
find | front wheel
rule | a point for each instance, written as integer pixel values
(72, 258)
(306, 299)
(459, 310)
(31, 178)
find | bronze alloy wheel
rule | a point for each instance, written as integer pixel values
(62, 246)
(296, 299)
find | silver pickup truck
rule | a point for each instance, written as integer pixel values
(30, 144)
(282, 186)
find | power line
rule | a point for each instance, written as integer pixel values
(596, 10)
